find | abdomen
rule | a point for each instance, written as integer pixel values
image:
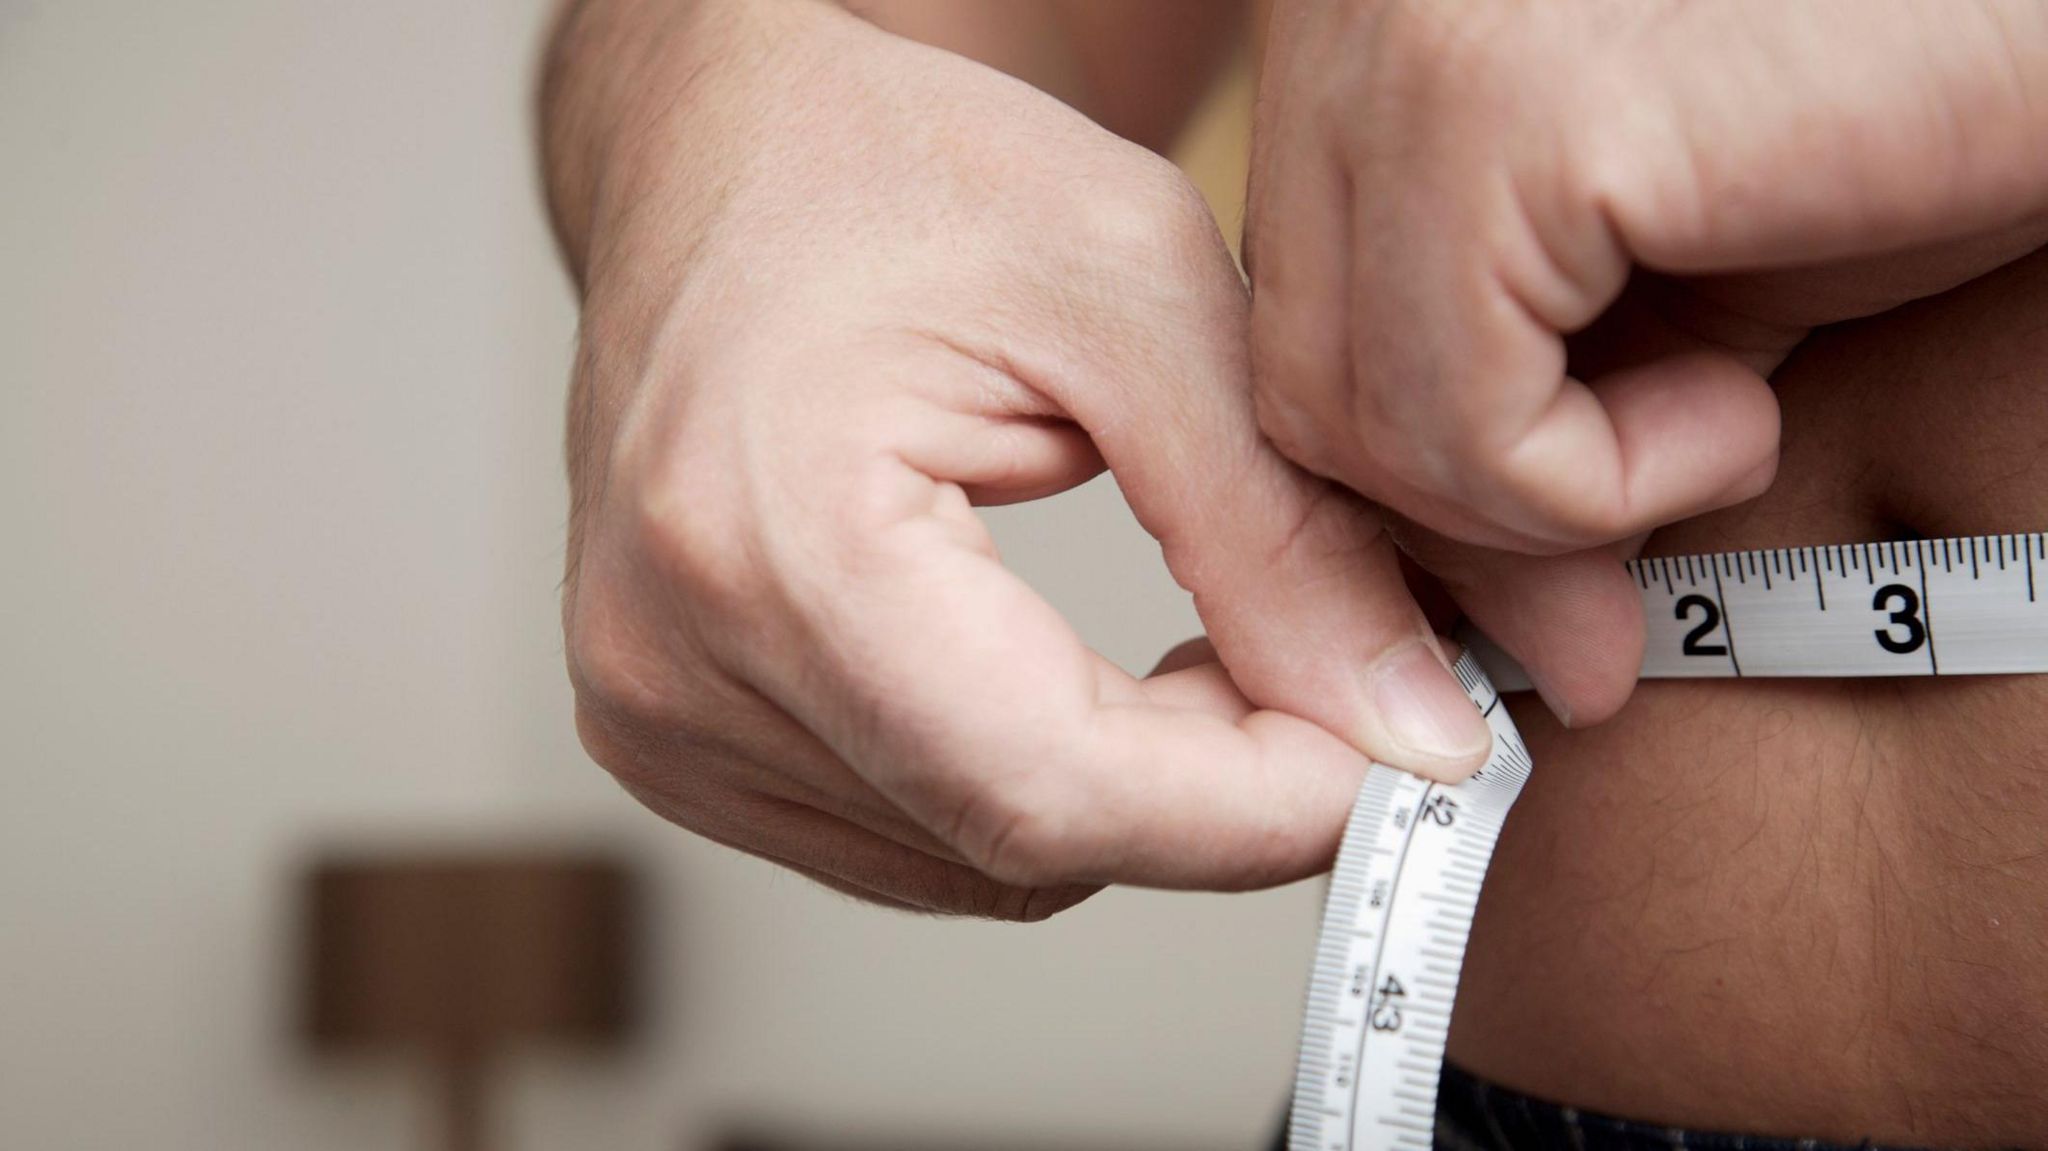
(1807, 908)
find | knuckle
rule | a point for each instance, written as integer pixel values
(1570, 509)
(676, 792)
(1599, 522)
(689, 540)
(642, 682)
(1025, 852)
(1157, 213)
(602, 739)
(1013, 904)
(650, 759)
(629, 754)
(618, 677)
(950, 889)
(1017, 834)
(1592, 527)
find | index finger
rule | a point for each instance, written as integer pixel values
(963, 696)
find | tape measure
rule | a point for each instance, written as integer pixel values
(1407, 878)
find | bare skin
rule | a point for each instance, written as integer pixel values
(839, 286)
(1582, 236)
(1807, 908)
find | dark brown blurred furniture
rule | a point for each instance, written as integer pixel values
(455, 958)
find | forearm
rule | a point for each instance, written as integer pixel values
(1136, 67)
(611, 69)
(614, 68)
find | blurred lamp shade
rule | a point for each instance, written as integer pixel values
(454, 958)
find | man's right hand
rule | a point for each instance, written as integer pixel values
(838, 287)
(1522, 271)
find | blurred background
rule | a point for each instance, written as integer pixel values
(282, 350)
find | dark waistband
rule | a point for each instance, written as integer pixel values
(1474, 1115)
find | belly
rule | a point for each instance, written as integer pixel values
(1807, 908)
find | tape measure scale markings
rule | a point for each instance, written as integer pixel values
(1407, 878)
(1395, 922)
(1971, 606)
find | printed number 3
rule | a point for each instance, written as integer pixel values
(1905, 614)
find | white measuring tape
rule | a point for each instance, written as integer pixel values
(1407, 878)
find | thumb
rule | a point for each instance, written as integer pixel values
(1300, 588)
(1572, 621)
(1296, 580)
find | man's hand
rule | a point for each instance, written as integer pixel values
(839, 287)
(1521, 270)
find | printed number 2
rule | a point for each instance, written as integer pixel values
(1693, 639)
(1904, 606)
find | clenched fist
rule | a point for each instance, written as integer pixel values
(838, 289)
(1521, 270)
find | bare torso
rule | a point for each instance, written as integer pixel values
(1807, 908)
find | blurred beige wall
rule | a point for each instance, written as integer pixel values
(281, 351)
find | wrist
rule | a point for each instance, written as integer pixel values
(640, 94)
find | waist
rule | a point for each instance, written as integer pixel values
(1807, 908)
(1475, 1115)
